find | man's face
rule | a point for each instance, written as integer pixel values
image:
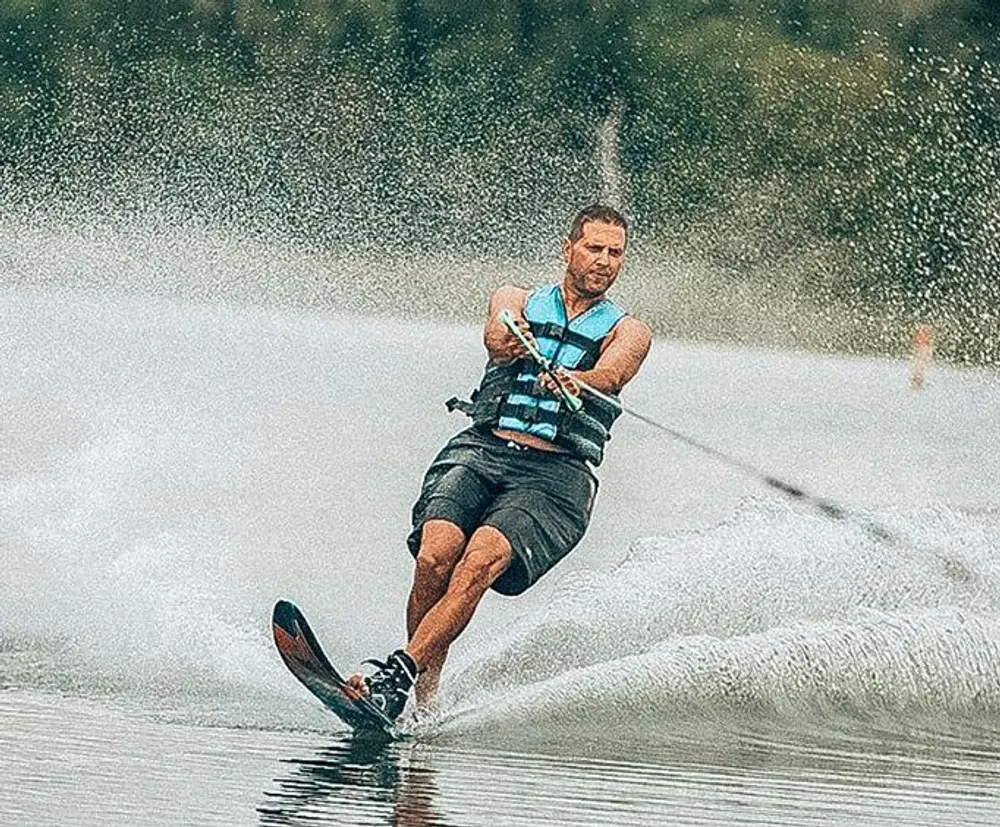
(594, 259)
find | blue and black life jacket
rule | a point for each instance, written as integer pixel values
(511, 397)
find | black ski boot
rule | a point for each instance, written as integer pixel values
(389, 687)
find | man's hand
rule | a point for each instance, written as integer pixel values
(504, 346)
(559, 381)
(516, 348)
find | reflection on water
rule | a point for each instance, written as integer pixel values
(354, 781)
(758, 778)
(68, 762)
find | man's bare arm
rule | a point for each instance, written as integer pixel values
(501, 344)
(622, 357)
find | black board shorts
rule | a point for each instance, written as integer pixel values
(539, 500)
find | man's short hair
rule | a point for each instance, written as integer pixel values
(597, 212)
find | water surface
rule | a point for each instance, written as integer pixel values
(709, 655)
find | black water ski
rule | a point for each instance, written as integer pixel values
(302, 654)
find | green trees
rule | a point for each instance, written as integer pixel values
(753, 133)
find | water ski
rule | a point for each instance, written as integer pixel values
(302, 654)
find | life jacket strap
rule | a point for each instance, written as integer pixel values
(464, 405)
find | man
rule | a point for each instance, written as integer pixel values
(508, 498)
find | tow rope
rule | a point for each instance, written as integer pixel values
(874, 529)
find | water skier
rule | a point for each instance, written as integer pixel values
(509, 497)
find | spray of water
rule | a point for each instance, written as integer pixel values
(773, 616)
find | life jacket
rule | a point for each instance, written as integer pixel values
(511, 397)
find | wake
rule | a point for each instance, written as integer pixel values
(772, 615)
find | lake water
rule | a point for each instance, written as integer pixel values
(710, 655)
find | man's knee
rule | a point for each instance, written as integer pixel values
(486, 557)
(441, 545)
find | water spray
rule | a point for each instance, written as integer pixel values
(874, 529)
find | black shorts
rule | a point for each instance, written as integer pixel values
(539, 500)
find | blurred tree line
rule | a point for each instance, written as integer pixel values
(863, 133)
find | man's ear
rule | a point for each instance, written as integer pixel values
(567, 245)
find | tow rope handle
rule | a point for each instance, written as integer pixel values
(573, 402)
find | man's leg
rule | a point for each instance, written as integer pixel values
(486, 557)
(441, 545)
